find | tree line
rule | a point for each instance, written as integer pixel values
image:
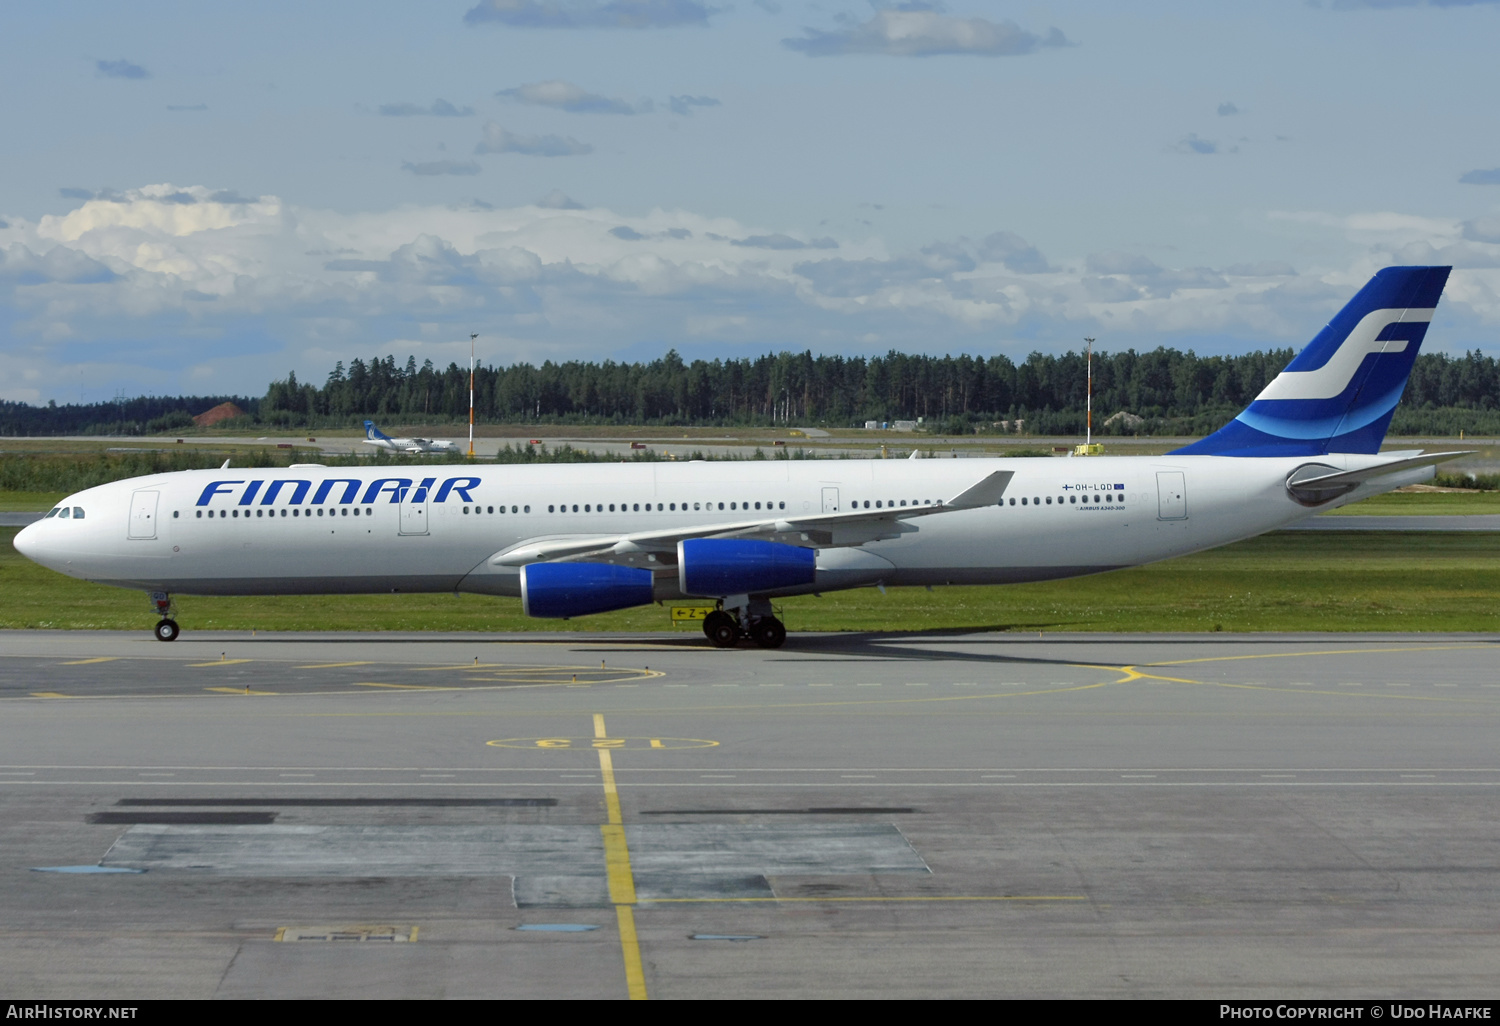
(1163, 391)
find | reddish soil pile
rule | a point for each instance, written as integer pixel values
(223, 411)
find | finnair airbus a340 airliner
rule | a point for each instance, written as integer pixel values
(574, 540)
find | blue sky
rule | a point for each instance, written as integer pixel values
(198, 198)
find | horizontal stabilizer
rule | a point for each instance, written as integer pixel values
(1324, 487)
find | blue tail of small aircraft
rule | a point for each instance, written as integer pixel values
(1339, 393)
(374, 434)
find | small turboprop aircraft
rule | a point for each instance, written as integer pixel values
(374, 436)
(571, 540)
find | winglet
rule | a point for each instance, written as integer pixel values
(986, 492)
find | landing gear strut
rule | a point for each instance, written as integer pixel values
(166, 629)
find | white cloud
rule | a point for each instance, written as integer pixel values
(498, 140)
(442, 167)
(572, 98)
(558, 200)
(924, 33)
(439, 108)
(573, 14)
(144, 284)
(120, 69)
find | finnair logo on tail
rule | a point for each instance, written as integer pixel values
(1333, 377)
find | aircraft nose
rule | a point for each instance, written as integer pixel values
(28, 541)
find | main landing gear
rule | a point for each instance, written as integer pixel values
(724, 629)
(166, 628)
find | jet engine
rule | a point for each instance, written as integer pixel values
(561, 590)
(730, 566)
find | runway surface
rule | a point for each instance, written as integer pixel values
(856, 815)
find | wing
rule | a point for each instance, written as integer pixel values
(814, 530)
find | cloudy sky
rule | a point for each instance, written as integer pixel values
(199, 198)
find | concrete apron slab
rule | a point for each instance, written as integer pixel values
(552, 866)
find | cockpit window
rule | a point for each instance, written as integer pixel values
(63, 513)
(52, 512)
(77, 512)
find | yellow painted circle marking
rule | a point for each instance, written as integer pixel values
(534, 675)
(606, 743)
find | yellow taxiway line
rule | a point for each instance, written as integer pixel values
(617, 867)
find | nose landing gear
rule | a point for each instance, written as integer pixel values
(166, 629)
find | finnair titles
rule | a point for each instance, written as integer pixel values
(573, 540)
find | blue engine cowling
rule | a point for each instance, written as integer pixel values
(561, 590)
(728, 566)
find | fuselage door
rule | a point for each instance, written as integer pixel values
(143, 515)
(1171, 495)
(830, 500)
(414, 511)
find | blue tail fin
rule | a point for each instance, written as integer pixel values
(373, 433)
(1339, 393)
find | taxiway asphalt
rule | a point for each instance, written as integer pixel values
(855, 815)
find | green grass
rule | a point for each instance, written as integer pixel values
(1290, 581)
(29, 502)
(1423, 504)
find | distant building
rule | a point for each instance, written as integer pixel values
(872, 425)
(904, 425)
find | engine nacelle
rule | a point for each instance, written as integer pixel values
(729, 566)
(561, 590)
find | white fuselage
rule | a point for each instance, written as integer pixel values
(412, 445)
(436, 528)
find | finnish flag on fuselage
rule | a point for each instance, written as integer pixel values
(1339, 393)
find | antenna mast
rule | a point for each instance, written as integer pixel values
(472, 337)
(1088, 438)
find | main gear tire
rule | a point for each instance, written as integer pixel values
(768, 632)
(721, 629)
